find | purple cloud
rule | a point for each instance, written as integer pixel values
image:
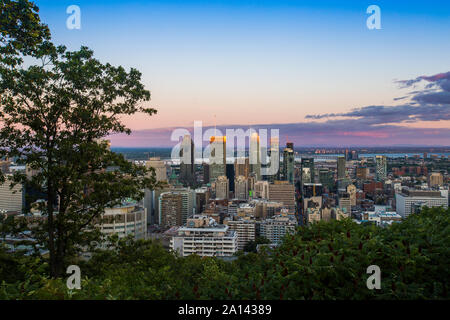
(366, 126)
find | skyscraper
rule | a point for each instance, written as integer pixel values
(288, 162)
(307, 170)
(255, 157)
(151, 203)
(242, 167)
(218, 156)
(326, 178)
(341, 168)
(381, 171)
(275, 158)
(231, 175)
(187, 163)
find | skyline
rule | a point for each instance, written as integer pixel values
(311, 69)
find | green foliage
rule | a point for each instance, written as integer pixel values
(327, 260)
(252, 245)
(21, 31)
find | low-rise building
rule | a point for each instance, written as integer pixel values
(245, 229)
(127, 218)
(408, 201)
(276, 228)
(205, 237)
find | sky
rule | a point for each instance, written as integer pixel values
(311, 69)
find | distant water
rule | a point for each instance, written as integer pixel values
(331, 157)
(165, 153)
(402, 155)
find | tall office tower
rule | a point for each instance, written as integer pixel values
(381, 172)
(218, 157)
(187, 161)
(205, 173)
(288, 163)
(254, 156)
(341, 168)
(347, 155)
(170, 212)
(241, 188)
(222, 187)
(355, 155)
(151, 203)
(242, 167)
(290, 145)
(284, 192)
(274, 156)
(351, 190)
(435, 179)
(326, 178)
(263, 151)
(159, 166)
(231, 176)
(307, 170)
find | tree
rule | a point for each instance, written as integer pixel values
(21, 31)
(251, 245)
(55, 115)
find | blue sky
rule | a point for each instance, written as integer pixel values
(261, 62)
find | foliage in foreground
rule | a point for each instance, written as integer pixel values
(322, 261)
